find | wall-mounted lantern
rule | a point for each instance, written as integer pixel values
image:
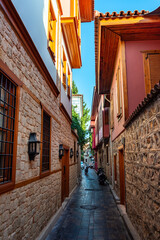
(61, 151)
(123, 141)
(33, 146)
(77, 153)
(71, 153)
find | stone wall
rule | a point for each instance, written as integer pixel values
(115, 153)
(26, 210)
(142, 171)
(142, 162)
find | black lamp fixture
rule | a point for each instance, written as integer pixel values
(71, 153)
(33, 146)
(77, 153)
(61, 151)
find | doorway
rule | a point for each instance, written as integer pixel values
(65, 175)
(122, 177)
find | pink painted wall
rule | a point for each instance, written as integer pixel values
(118, 124)
(135, 71)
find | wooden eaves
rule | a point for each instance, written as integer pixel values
(86, 10)
(110, 29)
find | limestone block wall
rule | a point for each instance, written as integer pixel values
(27, 208)
(25, 211)
(115, 153)
(142, 163)
(142, 171)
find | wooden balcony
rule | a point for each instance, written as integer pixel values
(71, 38)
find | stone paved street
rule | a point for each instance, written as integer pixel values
(99, 221)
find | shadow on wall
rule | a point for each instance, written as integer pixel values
(36, 25)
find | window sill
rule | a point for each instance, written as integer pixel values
(45, 174)
(5, 187)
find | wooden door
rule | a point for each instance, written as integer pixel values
(115, 167)
(65, 175)
(122, 177)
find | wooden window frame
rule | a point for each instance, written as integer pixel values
(69, 84)
(147, 76)
(47, 172)
(100, 117)
(115, 168)
(4, 187)
(119, 93)
(112, 111)
(64, 71)
(52, 30)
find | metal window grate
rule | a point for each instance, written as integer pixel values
(46, 142)
(7, 119)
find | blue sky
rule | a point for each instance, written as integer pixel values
(85, 77)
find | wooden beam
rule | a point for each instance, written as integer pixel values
(124, 75)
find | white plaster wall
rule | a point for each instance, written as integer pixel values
(65, 8)
(64, 98)
(34, 14)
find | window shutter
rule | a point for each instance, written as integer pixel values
(52, 38)
(69, 83)
(51, 31)
(154, 65)
(64, 73)
(112, 111)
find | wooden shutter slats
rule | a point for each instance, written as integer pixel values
(151, 61)
(154, 64)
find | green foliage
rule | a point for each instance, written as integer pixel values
(74, 88)
(76, 124)
(90, 142)
(86, 117)
(80, 124)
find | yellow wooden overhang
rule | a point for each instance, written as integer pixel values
(86, 10)
(110, 30)
(72, 40)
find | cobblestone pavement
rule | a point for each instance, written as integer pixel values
(90, 215)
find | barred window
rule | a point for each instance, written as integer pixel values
(7, 120)
(46, 143)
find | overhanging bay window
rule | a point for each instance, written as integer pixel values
(52, 22)
(64, 79)
(7, 122)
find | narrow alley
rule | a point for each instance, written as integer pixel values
(79, 86)
(91, 214)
